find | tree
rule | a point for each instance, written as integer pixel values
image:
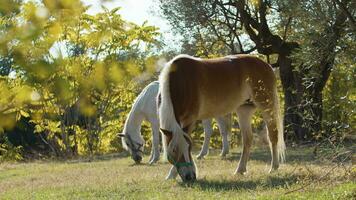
(75, 97)
(287, 32)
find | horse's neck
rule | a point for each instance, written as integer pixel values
(133, 123)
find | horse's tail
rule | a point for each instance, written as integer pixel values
(165, 111)
(279, 120)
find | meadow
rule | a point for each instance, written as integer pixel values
(115, 176)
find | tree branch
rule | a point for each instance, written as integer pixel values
(328, 53)
(347, 13)
(286, 28)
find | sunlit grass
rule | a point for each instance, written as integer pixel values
(115, 177)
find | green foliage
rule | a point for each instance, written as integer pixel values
(339, 101)
(305, 39)
(73, 74)
(9, 152)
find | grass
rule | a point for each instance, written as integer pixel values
(115, 177)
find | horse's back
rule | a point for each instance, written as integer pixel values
(146, 100)
(205, 88)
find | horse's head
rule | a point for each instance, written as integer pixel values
(134, 146)
(178, 151)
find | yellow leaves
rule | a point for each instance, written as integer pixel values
(98, 77)
(7, 121)
(62, 90)
(41, 70)
(152, 65)
(24, 114)
(104, 54)
(116, 74)
(22, 95)
(37, 116)
(86, 107)
(132, 68)
(13, 101)
(55, 5)
(55, 30)
(29, 11)
(255, 3)
(5, 93)
(9, 6)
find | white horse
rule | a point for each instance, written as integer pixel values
(145, 108)
(192, 89)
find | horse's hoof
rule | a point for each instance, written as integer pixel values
(240, 172)
(274, 167)
(153, 161)
(223, 155)
(199, 157)
(273, 170)
(170, 177)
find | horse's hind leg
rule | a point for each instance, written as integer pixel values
(270, 113)
(245, 113)
(207, 131)
(272, 122)
(224, 124)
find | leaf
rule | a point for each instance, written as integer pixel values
(18, 116)
(24, 114)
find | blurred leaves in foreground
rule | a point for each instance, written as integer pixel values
(71, 75)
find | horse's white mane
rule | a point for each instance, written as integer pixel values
(166, 113)
(183, 56)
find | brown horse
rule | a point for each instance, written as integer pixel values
(192, 89)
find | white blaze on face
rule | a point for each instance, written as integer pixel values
(184, 146)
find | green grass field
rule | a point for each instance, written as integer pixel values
(115, 177)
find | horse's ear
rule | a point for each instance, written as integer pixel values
(166, 133)
(121, 135)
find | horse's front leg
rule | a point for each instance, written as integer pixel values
(172, 173)
(207, 131)
(155, 141)
(225, 144)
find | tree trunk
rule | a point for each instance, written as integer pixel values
(65, 139)
(293, 92)
(317, 113)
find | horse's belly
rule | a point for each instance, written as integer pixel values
(218, 105)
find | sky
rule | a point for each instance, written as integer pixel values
(137, 11)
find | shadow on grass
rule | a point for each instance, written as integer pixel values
(97, 158)
(259, 154)
(226, 185)
(292, 155)
(122, 155)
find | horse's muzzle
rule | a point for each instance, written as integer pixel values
(137, 158)
(189, 177)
